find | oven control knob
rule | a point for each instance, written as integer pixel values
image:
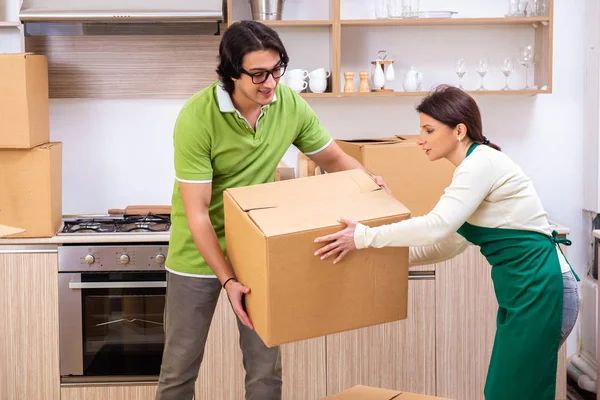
(124, 259)
(89, 259)
(160, 258)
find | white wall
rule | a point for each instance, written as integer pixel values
(119, 152)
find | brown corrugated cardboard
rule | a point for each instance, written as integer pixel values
(360, 392)
(284, 172)
(270, 231)
(24, 113)
(9, 231)
(414, 180)
(31, 189)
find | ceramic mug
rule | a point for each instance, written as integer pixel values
(320, 73)
(318, 85)
(297, 85)
(297, 74)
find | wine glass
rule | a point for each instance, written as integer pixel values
(461, 70)
(507, 69)
(526, 59)
(482, 69)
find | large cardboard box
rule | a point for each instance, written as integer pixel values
(414, 180)
(24, 113)
(360, 392)
(31, 189)
(270, 231)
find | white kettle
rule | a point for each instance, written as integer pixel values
(412, 80)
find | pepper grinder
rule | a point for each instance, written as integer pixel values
(349, 86)
(364, 82)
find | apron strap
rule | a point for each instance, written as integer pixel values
(564, 241)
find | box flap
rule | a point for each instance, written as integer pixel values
(295, 191)
(9, 230)
(360, 392)
(316, 214)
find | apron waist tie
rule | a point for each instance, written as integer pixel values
(566, 242)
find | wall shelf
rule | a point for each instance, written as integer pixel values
(445, 21)
(10, 24)
(540, 29)
(298, 23)
(531, 92)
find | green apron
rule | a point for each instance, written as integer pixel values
(529, 288)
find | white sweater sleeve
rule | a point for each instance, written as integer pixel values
(448, 248)
(471, 183)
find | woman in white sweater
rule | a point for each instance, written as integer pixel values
(492, 204)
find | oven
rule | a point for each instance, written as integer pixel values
(111, 307)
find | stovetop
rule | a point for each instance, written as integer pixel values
(121, 224)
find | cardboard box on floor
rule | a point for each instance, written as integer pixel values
(24, 113)
(414, 180)
(360, 392)
(31, 189)
(270, 231)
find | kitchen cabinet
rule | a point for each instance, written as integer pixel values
(29, 332)
(108, 392)
(396, 355)
(222, 372)
(465, 327)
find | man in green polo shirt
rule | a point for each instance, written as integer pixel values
(233, 133)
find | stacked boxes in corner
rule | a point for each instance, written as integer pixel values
(30, 165)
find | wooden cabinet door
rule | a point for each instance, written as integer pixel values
(109, 392)
(29, 329)
(222, 371)
(398, 355)
(466, 309)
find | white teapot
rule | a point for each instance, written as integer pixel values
(412, 80)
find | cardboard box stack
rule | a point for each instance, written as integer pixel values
(414, 180)
(270, 231)
(30, 165)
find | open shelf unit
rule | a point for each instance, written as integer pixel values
(542, 33)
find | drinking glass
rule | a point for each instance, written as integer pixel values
(461, 70)
(482, 69)
(526, 59)
(507, 69)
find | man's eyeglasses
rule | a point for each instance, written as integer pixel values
(262, 76)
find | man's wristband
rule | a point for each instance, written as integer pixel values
(232, 278)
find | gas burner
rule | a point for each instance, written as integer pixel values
(112, 224)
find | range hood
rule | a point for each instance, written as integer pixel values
(121, 11)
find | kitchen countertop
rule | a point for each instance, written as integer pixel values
(96, 238)
(147, 237)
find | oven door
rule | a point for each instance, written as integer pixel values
(111, 324)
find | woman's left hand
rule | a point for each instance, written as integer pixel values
(342, 242)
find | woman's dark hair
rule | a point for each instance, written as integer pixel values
(452, 106)
(240, 39)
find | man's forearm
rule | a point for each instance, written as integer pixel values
(208, 245)
(343, 163)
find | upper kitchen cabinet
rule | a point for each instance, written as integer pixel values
(114, 49)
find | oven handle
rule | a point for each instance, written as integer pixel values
(117, 285)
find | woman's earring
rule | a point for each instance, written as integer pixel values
(460, 138)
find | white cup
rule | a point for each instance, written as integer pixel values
(297, 74)
(297, 85)
(318, 85)
(320, 73)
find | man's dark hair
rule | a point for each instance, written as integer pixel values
(240, 39)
